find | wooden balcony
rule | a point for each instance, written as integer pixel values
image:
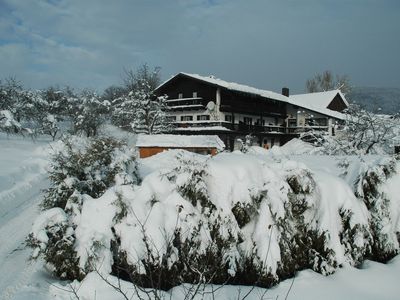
(244, 128)
(182, 104)
(240, 128)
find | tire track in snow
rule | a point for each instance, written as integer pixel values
(13, 257)
(19, 199)
(14, 260)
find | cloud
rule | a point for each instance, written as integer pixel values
(265, 43)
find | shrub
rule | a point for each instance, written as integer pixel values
(79, 167)
(87, 166)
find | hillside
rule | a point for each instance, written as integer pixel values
(373, 98)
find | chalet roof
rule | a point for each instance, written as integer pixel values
(233, 86)
(322, 99)
(318, 102)
(180, 141)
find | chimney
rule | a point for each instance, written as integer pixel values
(285, 91)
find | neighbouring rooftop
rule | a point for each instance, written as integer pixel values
(180, 141)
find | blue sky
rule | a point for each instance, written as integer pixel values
(264, 43)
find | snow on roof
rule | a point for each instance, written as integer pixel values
(233, 86)
(321, 99)
(317, 102)
(180, 141)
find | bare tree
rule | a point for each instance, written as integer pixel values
(327, 81)
(142, 78)
(113, 92)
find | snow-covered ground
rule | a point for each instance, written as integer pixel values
(372, 281)
(23, 174)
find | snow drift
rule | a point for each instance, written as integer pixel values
(252, 218)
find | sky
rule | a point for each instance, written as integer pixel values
(263, 43)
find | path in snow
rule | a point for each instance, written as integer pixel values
(22, 177)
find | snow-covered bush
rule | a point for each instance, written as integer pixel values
(233, 218)
(303, 245)
(385, 243)
(87, 166)
(246, 143)
(355, 237)
(81, 169)
(181, 238)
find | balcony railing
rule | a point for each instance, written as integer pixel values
(245, 128)
(300, 129)
(185, 104)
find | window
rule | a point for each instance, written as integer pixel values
(229, 118)
(194, 94)
(186, 118)
(180, 95)
(320, 122)
(260, 122)
(292, 123)
(310, 122)
(203, 117)
(247, 121)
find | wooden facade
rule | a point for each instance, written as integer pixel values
(337, 104)
(239, 110)
(184, 87)
(150, 151)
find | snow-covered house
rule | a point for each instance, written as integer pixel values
(149, 145)
(316, 110)
(207, 105)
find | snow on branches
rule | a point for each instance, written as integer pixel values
(363, 132)
(82, 171)
(7, 122)
(235, 217)
(88, 111)
(138, 109)
(141, 112)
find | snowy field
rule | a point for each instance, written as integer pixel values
(22, 176)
